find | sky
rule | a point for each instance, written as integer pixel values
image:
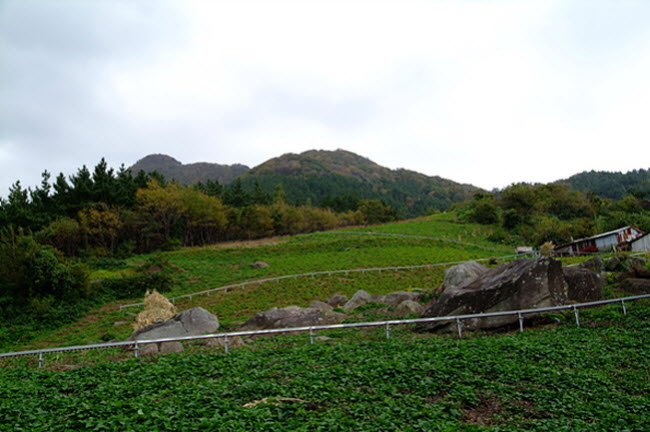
(488, 92)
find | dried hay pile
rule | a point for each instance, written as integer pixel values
(156, 308)
(546, 249)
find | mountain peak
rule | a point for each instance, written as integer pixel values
(188, 173)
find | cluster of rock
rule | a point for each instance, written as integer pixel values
(469, 288)
(198, 321)
(324, 313)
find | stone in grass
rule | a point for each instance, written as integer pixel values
(292, 316)
(395, 298)
(337, 300)
(409, 307)
(321, 305)
(260, 264)
(359, 298)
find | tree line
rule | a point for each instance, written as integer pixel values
(115, 213)
(553, 213)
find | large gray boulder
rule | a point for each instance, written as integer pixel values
(462, 274)
(192, 322)
(520, 284)
(359, 298)
(292, 316)
(583, 285)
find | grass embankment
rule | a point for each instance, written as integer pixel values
(559, 378)
(201, 268)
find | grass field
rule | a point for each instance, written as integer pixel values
(435, 239)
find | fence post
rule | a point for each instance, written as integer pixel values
(387, 331)
(40, 359)
(136, 350)
(624, 308)
(460, 328)
(311, 335)
(521, 322)
(575, 310)
(226, 347)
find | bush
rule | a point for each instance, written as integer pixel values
(129, 287)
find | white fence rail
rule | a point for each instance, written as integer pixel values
(311, 329)
(319, 273)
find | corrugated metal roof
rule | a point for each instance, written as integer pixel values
(605, 234)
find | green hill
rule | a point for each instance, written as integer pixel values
(337, 178)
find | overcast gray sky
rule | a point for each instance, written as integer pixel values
(482, 92)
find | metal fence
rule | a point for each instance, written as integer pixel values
(135, 345)
(320, 273)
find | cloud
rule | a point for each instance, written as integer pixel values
(482, 92)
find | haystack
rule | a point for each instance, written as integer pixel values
(156, 309)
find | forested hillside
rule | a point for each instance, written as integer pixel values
(612, 185)
(339, 179)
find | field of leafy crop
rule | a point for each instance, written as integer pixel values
(555, 378)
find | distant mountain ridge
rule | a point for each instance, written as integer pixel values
(339, 178)
(189, 173)
(323, 177)
(326, 177)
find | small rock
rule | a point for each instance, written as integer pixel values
(321, 305)
(359, 298)
(170, 347)
(395, 298)
(233, 342)
(337, 300)
(595, 264)
(322, 338)
(260, 264)
(408, 307)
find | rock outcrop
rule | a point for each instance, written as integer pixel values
(520, 284)
(292, 316)
(191, 322)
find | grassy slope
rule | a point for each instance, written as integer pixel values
(215, 266)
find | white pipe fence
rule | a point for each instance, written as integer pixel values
(320, 273)
(311, 329)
